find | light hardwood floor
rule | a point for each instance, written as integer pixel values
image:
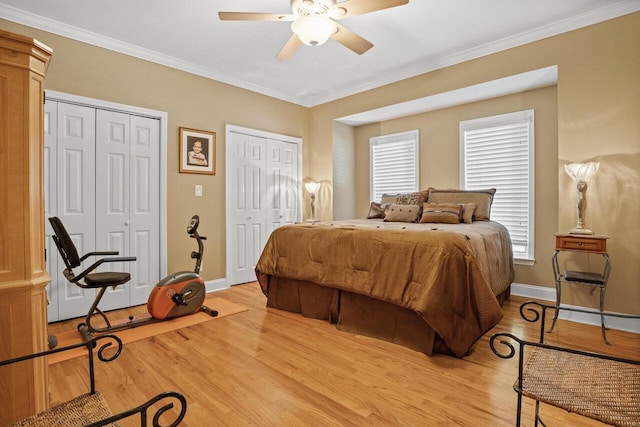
(266, 367)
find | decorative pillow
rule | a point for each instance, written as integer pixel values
(402, 213)
(467, 212)
(416, 199)
(389, 198)
(482, 199)
(377, 210)
(448, 213)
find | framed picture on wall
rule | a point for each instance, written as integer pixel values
(197, 151)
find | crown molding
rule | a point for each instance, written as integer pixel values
(596, 16)
(55, 27)
(604, 13)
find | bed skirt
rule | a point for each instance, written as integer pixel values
(358, 314)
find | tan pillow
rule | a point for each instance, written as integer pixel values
(389, 198)
(482, 199)
(377, 210)
(448, 213)
(402, 213)
(467, 212)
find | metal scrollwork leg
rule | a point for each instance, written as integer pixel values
(558, 280)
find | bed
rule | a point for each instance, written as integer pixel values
(434, 287)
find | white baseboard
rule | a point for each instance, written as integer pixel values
(216, 285)
(549, 294)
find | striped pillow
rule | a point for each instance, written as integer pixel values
(448, 213)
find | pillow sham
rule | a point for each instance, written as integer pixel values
(467, 212)
(447, 213)
(482, 199)
(377, 210)
(402, 213)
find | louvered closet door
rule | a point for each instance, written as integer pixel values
(75, 194)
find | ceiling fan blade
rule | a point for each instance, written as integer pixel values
(289, 48)
(252, 16)
(351, 40)
(349, 8)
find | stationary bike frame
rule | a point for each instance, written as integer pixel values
(176, 295)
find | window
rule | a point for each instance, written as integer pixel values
(497, 152)
(394, 163)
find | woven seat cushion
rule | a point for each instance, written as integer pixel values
(83, 410)
(604, 390)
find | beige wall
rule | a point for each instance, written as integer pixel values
(440, 160)
(190, 101)
(598, 105)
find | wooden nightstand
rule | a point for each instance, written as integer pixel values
(589, 244)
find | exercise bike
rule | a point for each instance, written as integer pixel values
(179, 294)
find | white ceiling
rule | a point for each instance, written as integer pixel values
(421, 36)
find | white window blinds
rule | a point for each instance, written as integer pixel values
(394, 164)
(497, 152)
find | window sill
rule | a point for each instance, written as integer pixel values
(524, 261)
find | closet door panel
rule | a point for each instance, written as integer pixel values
(283, 186)
(145, 206)
(50, 200)
(75, 194)
(112, 205)
(247, 231)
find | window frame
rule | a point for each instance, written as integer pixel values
(414, 137)
(509, 119)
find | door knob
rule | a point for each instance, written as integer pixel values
(126, 223)
(250, 217)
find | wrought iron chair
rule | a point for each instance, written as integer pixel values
(597, 386)
(91, 409)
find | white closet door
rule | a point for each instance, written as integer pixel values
(246, 232)
(112, 203)
(127, 211)
(50, 200)
(144, 221)
(75, 194)
(282, 183)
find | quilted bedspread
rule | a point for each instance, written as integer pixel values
(433, 271)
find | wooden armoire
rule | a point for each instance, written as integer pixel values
(23, 277)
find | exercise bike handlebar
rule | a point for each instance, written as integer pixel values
(198, 255)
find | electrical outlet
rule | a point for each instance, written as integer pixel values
(198, 190)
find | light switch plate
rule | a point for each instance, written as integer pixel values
(198, 190)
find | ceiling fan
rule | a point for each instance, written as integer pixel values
(313, 22)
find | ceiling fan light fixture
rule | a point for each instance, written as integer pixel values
(314, 30)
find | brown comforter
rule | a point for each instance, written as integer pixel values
(429, 270)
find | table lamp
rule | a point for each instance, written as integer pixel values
(312, 188)
(581, 173)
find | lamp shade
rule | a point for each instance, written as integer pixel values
(314, 30)
(311, 187)
(582, 172)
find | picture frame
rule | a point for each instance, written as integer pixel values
(197, 151)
